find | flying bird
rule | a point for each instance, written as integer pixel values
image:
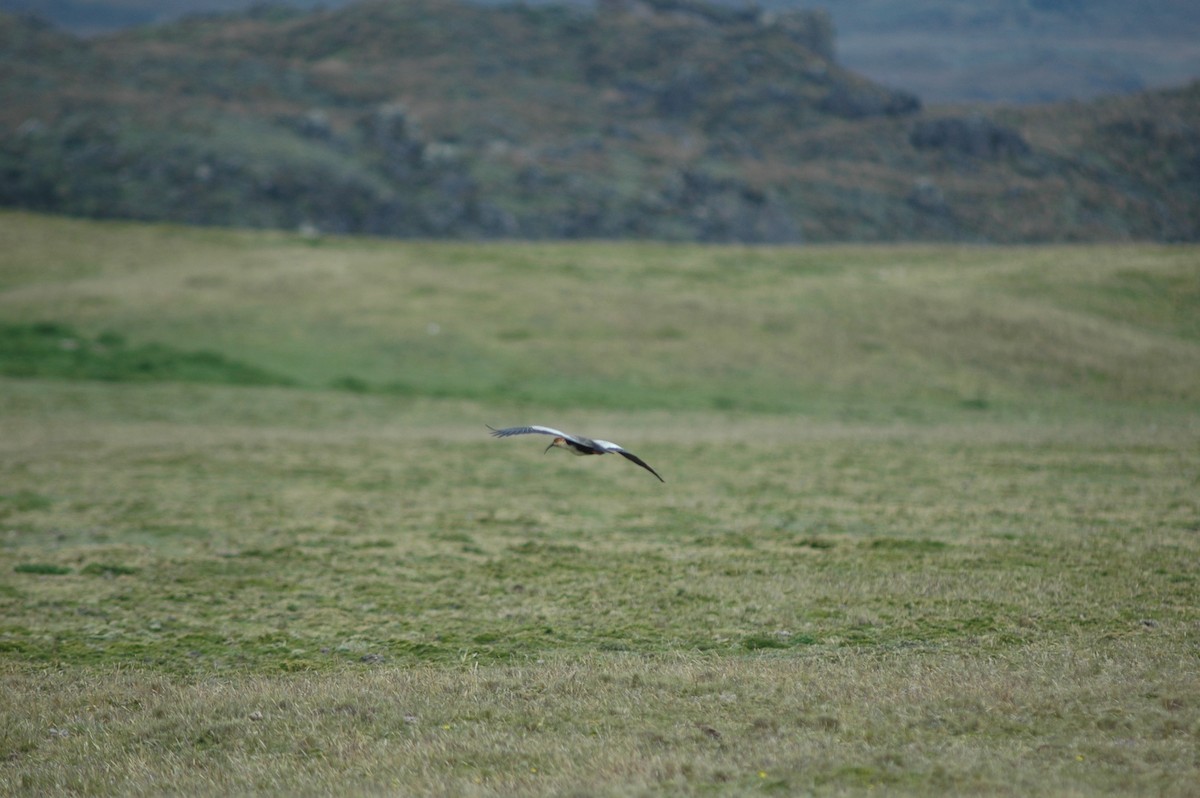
(576, 444)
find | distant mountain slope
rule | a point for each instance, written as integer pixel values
(942, 50)
(1019, 50)
(649, 118)
(91, 17)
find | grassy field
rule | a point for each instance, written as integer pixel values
(931, 519)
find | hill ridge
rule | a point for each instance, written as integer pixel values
(667, 119)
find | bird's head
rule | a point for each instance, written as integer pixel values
(556, 442)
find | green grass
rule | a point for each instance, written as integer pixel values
(52, 349)
(963, 560)
(852, 333)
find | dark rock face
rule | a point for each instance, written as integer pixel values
(974, 135)
(858, 100)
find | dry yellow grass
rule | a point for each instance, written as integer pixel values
(1056, 721)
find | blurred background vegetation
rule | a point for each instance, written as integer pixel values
(944, 51)
(663, 119)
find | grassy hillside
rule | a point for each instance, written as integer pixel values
(639, 121)
(943, 51)
(928, 525)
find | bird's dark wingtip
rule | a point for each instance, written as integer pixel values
(633, 458)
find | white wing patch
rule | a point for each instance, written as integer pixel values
(507, 431)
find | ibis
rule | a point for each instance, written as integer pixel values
(576, 444)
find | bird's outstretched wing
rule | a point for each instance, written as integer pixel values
(634, 458)
(534, 430)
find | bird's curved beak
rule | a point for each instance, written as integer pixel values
(551, 446)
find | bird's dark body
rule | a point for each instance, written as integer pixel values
(583, 446)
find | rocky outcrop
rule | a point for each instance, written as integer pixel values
(974, 135)
(812, 29)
